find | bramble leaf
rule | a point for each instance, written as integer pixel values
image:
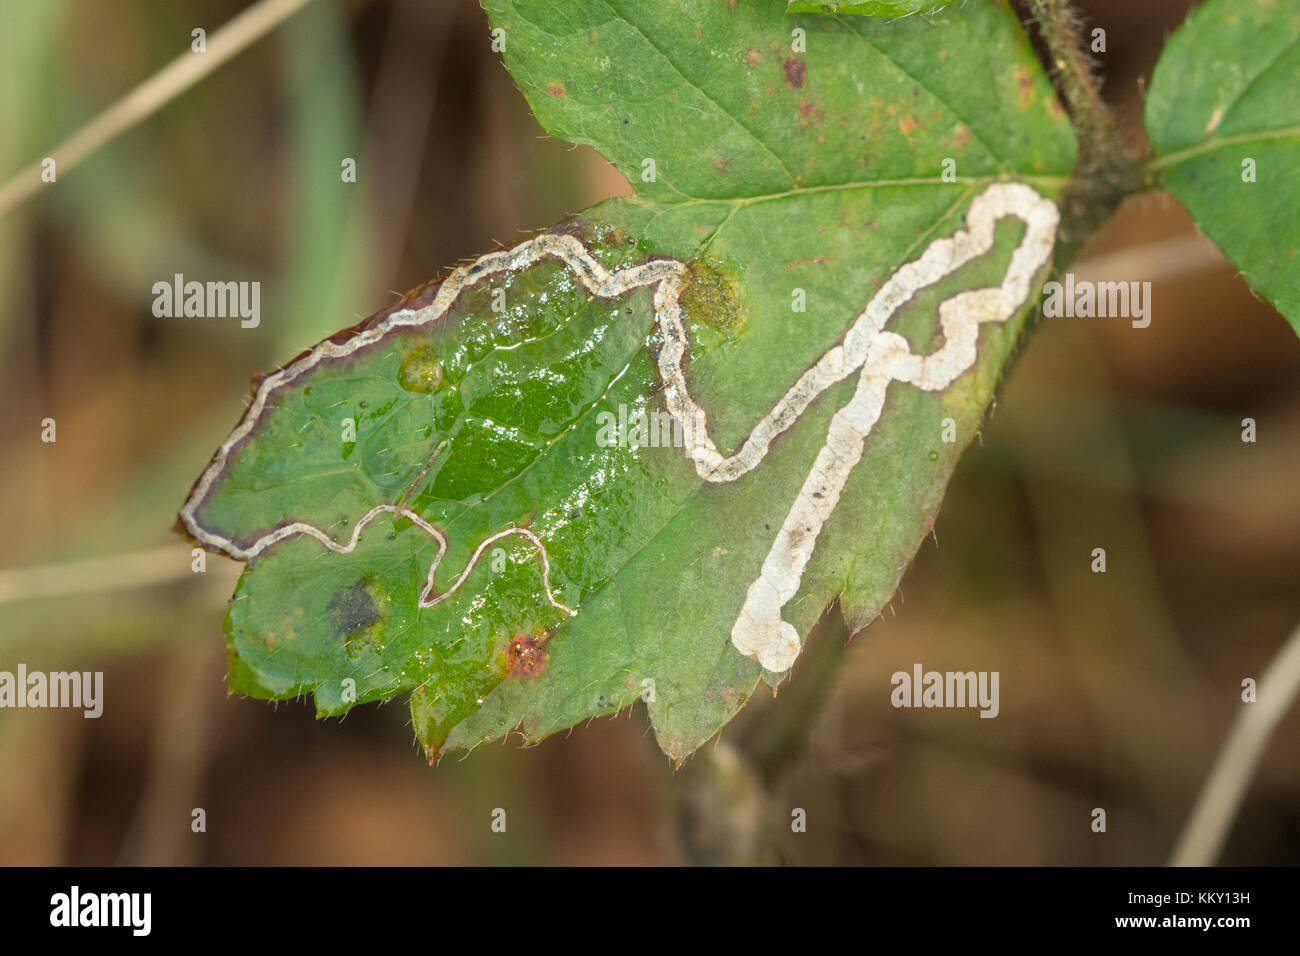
(1223, 116)
(867, 8)
(587, 469)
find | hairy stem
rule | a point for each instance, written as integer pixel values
(1104, 173)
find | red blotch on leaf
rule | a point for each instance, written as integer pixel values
(795, 71)
(525, 656)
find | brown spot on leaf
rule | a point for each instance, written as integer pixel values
(752, 57)
(795, 71)
(963, 137)
(722, 164)
(1026, 84)
(907, 125)
(525, 656)
(555, 89)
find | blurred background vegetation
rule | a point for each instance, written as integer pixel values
(1117, 689)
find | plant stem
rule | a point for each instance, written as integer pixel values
(147, 98)
(1217, 807)
(774, 743)
(125, 571)
(724, 805)
(1104, 173)
(1073, 69)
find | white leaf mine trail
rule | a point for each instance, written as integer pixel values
(880, 357)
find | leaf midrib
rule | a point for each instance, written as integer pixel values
(1167, 160)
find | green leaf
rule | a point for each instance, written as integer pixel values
(495, 415)
(1223, 109)
(867, 8)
